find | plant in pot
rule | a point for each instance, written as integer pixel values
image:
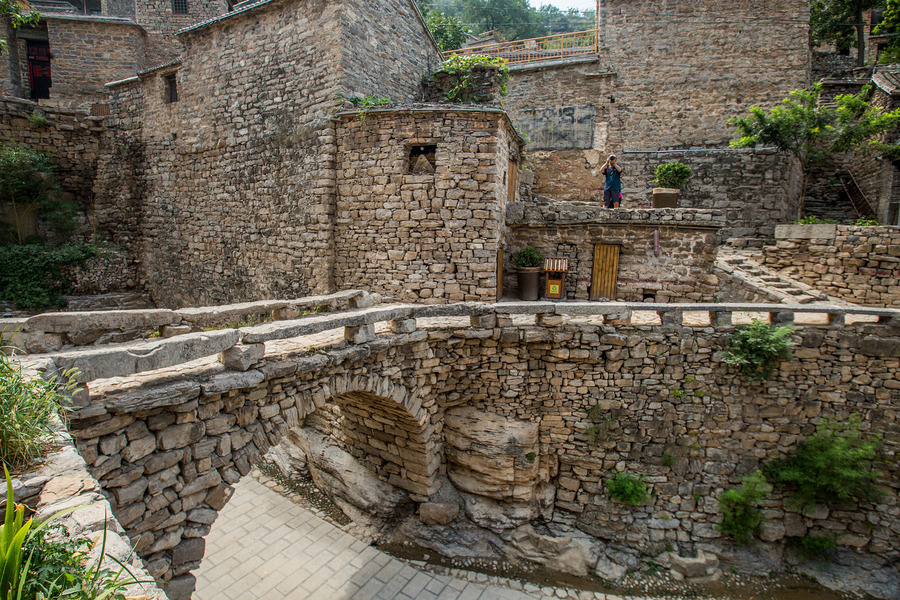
(528, 270)
(670, 177)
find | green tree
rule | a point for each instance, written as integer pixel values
(29, 186)
(811, 132)
(15, 18)
(448, 31)
(890, 24)
(514, 19)
(841, 23)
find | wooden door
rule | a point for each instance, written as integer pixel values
(499, 273)
(513, 180)
(604, 271)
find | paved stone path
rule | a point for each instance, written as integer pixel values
(264, 546)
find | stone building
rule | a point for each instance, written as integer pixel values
(80, 46)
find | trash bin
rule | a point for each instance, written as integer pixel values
(555, 270)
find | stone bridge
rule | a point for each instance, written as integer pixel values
(168, 426)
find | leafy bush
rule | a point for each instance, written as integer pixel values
(813, 220)
(463, 69)
(672, 175)
(757, 348)
(31, 275)
(813, 546)
(365, 104)
(528, 257)
(740, 507)
(54, 565)
(833, 466)
(867, 222)
(37, 119)
(28, 408)
(627, 488)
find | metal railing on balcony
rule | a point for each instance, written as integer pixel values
(551, 47)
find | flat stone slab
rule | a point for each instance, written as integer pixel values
(806, 232)
(205, 316)
(63, 322)
(120, 360)
(315, 324)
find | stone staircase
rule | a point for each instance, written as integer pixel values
(763, 284)
(54, 7)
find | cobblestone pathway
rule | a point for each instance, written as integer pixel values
(264, 546)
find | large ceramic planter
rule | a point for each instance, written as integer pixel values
(529, 282)
(665, 197)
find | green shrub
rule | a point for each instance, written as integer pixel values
(28, 408)
(529, 257)
(867, 223)
(740, 507)
(672, 175)
(627, 488)
(833, 466)
(758, 348)
(463, 68)
(365, 104)
(37, 119)
(55, 562)
(813, 220)
(32, 276)
(812, 546)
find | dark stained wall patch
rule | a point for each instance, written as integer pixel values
(558, 128)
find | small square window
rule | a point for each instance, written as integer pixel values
(180, 7)
(171, 89)
(422, 159)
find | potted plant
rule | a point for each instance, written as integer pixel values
(528, 270)
(670, 177)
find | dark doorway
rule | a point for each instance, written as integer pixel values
(39, 69)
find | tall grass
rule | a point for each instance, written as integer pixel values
(28, 408)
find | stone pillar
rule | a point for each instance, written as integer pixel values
(483, 321)
(836, 319)
(360, 334)
(722, 318)
(671, 317)
(403, 325)
(784, 317)
(622, 317)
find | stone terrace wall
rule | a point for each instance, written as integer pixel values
(682, 272)
(857, 264)
(167, 445)
(684, 68)
(89, 53)
(74, 139)
(756, 189)
(228, 194)
(430, 236)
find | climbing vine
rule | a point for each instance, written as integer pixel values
(465, 71)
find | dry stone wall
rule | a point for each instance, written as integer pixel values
(88, 53)
(857, 264)
(680, 271)
(230, 191)
(422, 231)
(74, 139)
(168, 445)
(684, 68)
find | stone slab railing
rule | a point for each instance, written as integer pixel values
(50, 332)
(239, 349)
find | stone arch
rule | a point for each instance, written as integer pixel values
(385, 427)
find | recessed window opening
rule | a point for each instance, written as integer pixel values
(180, 7)
(422, 158)
(171, 89)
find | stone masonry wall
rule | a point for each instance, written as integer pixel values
(756, 189)
(433, 235)
(684, 68)
(166, 446)
(228, 194)
(73, 139)
(681, 272)
(857, 264)
(88, 54)
(157, 17)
